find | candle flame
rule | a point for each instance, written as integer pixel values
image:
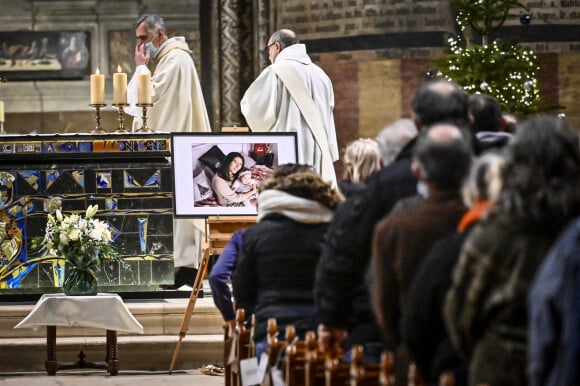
(97, 72)
(119, 68)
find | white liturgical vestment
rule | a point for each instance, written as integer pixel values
(178, 106)
(268, 106)
(178, 103)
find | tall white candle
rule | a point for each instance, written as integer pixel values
(97, 88)
(1, 111)
(144, 88)
(119, 87)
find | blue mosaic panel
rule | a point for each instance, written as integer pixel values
(128, 178)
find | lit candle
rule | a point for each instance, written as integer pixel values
(1, 111)
(119, 87)
(97, 88)
(144, 88)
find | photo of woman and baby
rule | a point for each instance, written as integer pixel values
(229, 175)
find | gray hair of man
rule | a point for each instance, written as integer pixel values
(286, 38)
(394, 137)
(154, 23)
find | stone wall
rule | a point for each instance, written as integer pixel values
(55, 106)
(377, 52)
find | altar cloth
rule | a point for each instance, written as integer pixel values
(106, 311)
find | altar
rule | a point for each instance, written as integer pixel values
(127, 175)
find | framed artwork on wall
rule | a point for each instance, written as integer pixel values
(214, 173)
(121, 51)
(44, 55)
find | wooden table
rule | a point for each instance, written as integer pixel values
(54, 310)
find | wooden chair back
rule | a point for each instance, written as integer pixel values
(336, 372)
(228, 341)
(387, 369)
(362, 374)
(313, 362)
(242, 347)
(294, 372)
(447, 379)
(414, 377)
(275, 345)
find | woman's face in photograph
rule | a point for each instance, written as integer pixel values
(235, 165)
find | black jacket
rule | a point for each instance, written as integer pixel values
(274, 275)
(341, 293)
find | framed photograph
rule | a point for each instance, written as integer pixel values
(41, 55)
(218, 174)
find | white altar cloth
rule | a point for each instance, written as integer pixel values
(106, 311)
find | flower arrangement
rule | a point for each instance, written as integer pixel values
(83, 242)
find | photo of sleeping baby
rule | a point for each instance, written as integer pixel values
(228, 174)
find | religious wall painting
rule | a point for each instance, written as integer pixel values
(44, 55)
(121, 51)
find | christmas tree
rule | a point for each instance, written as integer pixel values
(500, 68)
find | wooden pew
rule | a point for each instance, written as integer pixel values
(387, 369)
(362, 374)
(228, 340)
(414, 377)
(294, 371)
(336, 372)
(276, 348)
(313, 362)
(273, 343)
(447, 379)
(241, 347)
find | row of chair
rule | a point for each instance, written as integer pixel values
(301, 363)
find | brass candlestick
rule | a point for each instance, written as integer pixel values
(2, 132)
(121, 118)
(144, 128)
(98, 129)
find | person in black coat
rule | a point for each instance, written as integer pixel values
(274, 275)
(341, 293)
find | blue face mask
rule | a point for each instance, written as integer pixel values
(152, 49)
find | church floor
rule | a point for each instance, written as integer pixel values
(101, 378)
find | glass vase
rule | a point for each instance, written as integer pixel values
(79, 282)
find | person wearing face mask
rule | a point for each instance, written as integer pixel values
(177, 98)
(178, 106)
(295, 95)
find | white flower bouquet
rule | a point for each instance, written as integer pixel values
(83, 242)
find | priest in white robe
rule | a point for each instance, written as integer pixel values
(267, 105)
(178, 106)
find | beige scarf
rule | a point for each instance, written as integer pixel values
(296, 208)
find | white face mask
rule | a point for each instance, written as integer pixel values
(422, 189)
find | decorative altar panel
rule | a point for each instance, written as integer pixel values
(127, 175)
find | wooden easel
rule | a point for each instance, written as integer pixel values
(218, 231)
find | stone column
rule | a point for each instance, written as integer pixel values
(234, 34)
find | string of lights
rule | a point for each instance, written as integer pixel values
(500, 68)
